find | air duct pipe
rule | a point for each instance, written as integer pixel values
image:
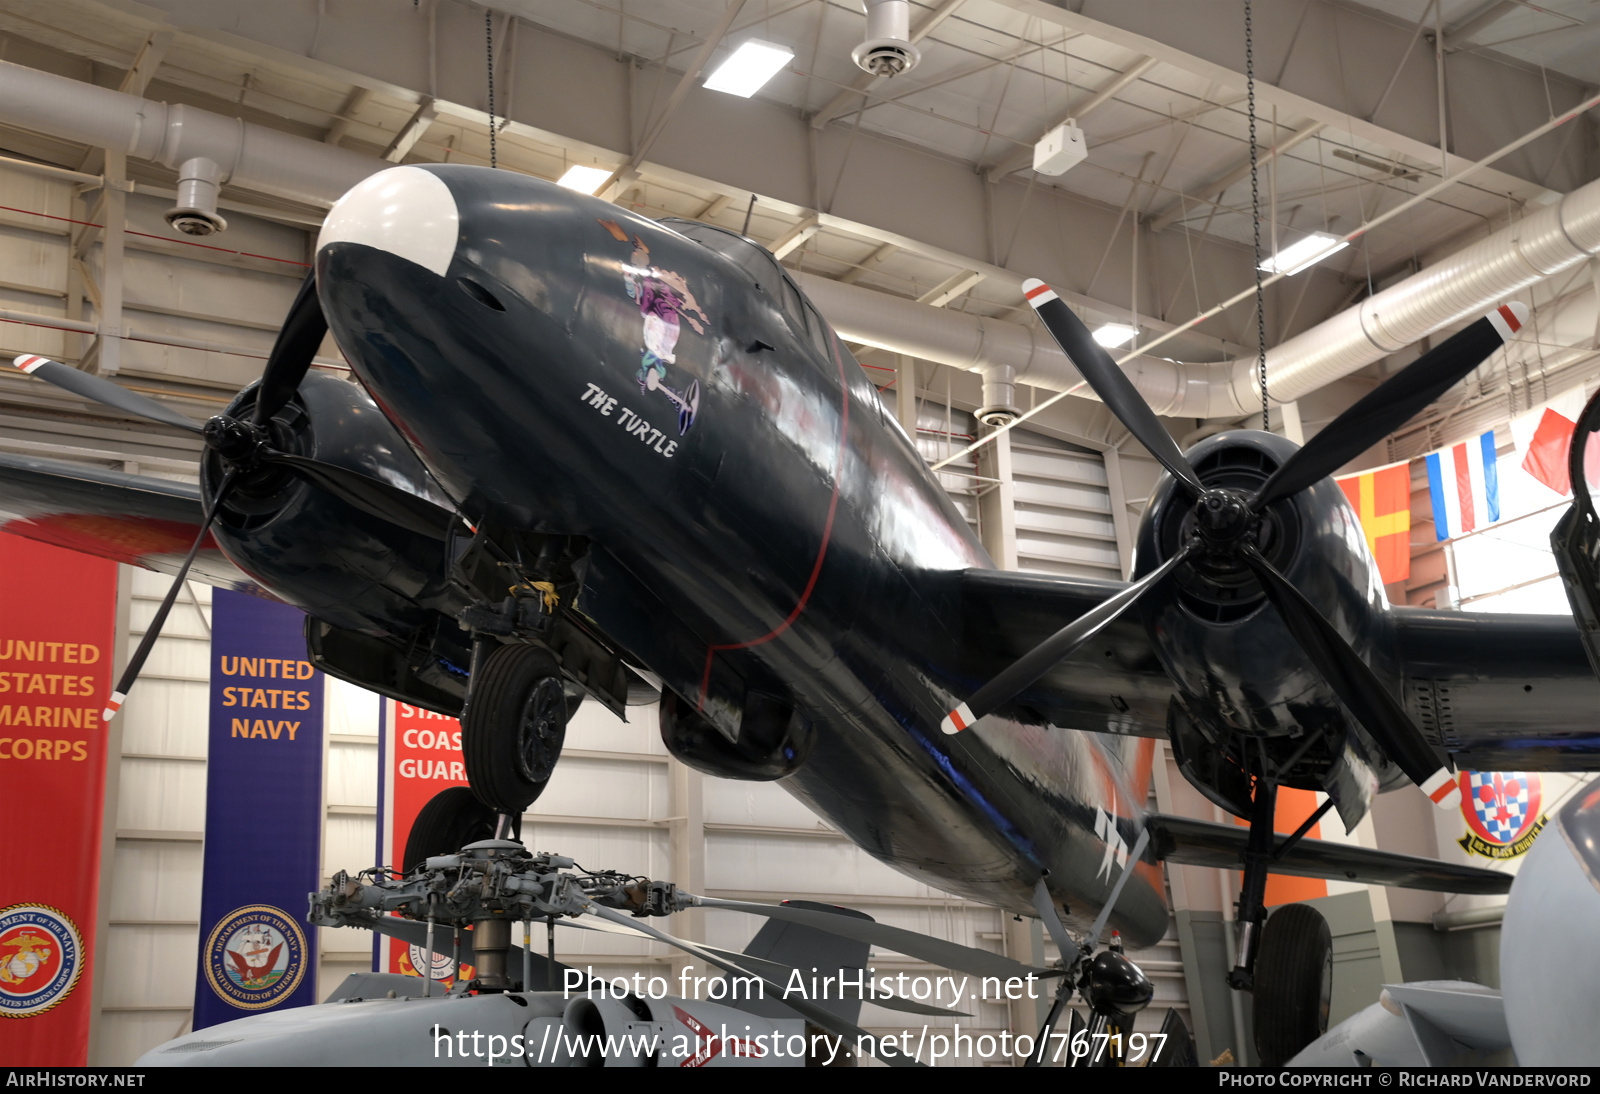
(1462, 286)
(243, 154)
(1005, 353)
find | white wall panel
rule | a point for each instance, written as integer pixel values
(155, 880)
(352, 775)
(164, 795)
(150, 965)
(631, 789)
(127, 1035)
(730, 802)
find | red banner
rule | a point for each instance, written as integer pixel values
(57, 625)
(422, 756)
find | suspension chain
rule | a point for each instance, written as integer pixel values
(1255, 215)
(488, 37)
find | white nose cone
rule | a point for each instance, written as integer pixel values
(406, 211)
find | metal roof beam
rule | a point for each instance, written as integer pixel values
(1211, 193)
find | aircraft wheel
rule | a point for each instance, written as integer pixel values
(453, 818)
(512, 729)
(1293, 982)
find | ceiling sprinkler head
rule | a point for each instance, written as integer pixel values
(195, 213)
(888, 50)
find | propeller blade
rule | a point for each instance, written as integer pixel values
(1357, 686)
(809, 1010)
(948, 955)
(1109, 382)
(1021, 673)
(298, 339)
(1116, 890)
(153, 631)
(370, 495)
(103, 391)
(1393, 403)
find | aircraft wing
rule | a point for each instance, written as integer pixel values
(130, 518)
(1114, 684)
(1203, 843)
(1501, 692)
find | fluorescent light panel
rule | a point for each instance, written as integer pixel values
(1112, 335)
(585, 180)
(749, 67)
(1307, 252)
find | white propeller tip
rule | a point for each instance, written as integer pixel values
(1443, 789)
(27, 362)
(1508, 319)
(957, 720)
(1037, 292)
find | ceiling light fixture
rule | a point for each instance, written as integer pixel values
(1306, 252)
(1112, 335)
(585, 180)
(749, 67)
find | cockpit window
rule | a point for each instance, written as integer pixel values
(756, 261)
(753, 258)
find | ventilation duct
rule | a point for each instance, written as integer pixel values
(243, 154)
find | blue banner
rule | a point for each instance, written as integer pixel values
(263, 845)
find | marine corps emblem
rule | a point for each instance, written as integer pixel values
(40, 959)
(255, 957)
(1502, 812)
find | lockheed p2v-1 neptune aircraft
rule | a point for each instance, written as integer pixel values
(588, 449)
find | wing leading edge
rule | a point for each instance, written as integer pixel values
(1113, 684)
(129, 518)
(1202, 843)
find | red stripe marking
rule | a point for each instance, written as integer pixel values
(822, 551)
(1463, 487)
(1031, 293)
(1440, 794)
(955, 717)
(1510, 317)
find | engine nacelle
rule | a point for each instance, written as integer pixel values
(774, 739)
(1239, 671)
(318, 552)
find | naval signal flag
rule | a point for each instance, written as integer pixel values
(1382, 501)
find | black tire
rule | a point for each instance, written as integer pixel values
(1293, 983)
(453, 818)
(513, 727)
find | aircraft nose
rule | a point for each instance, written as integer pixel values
(406, 211)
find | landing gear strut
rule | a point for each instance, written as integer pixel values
(1252, 911)
(1294, 950)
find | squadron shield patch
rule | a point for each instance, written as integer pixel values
(1501, 809)
(41, 956)
(255, 957)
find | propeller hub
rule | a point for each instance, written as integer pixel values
(238, 442)
(1223, 518)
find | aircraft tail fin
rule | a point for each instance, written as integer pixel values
(1202, 843)
(805, 948)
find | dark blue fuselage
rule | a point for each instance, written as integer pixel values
(754, 516)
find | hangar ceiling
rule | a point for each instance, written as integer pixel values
(918, 186)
